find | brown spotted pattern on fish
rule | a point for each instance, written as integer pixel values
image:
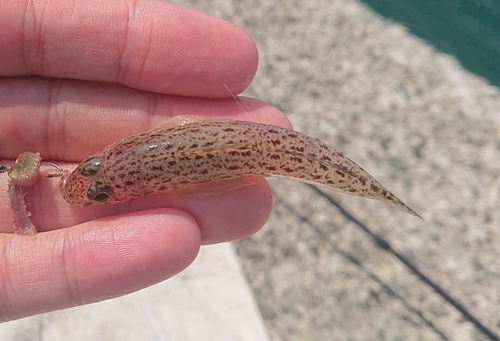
(185, 152)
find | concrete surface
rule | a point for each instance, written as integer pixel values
(419, 123)
(211, 300)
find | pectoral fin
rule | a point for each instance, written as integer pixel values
(211, 188)
(180, 121)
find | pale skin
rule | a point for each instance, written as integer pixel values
(78, 75)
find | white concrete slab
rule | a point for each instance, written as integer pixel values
(211, 300)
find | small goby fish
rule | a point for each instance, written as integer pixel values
(191, 156)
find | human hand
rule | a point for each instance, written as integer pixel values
(78, 75)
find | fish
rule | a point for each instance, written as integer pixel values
(191, 156)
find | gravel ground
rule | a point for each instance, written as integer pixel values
(419, 123)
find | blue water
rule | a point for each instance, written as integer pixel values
(467, 29)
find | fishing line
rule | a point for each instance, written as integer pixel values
(385, 245)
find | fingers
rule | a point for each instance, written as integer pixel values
(108, 70)
(69, 120)
(146, 44)
(93, 261)
(115, 253)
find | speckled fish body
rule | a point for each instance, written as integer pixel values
(186, 152)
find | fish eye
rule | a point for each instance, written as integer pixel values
(90, 166)
(100, 192)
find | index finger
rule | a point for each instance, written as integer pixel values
(145, 44)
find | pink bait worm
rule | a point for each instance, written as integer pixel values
(23, 174)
